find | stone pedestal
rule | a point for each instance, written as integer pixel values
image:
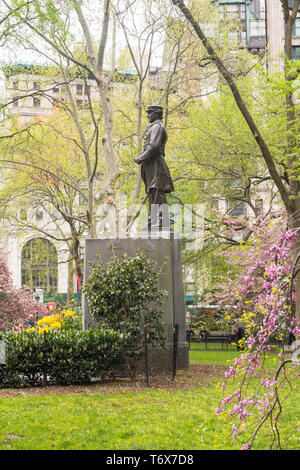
(163, 249)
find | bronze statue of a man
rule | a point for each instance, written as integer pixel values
(154, 170)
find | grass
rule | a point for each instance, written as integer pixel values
(198, 356)
(143, 419)
(215, 355)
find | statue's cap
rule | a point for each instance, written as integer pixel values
(155, 108)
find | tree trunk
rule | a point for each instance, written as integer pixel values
(76, 257)
(139, 141)
(107, 193)
(96, 60)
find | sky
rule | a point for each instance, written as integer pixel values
(21, 55)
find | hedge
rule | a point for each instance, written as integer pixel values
(62, 357)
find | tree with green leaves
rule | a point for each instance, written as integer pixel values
(287, 182)
(45, 28)
(49, 176)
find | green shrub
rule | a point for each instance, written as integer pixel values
(124, 295)
(62, 357)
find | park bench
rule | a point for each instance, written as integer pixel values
(222, 337)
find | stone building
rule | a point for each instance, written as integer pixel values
(262, 27)
(33, 92)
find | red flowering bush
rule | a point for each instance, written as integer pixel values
(15, 304)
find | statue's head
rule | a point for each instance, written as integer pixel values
(154, 112)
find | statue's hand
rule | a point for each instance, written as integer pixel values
(136, 160)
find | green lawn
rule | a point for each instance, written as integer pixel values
(199, 356)
(146, 419)
(224, 357)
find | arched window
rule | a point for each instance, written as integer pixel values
(39, 265)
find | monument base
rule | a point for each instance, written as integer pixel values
(164, 249)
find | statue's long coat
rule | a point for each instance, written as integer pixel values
(154, 170)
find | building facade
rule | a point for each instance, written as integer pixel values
(251, 15)
(32, 93)
(262, 27)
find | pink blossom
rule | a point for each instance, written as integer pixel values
(260, 286)
(245, 447)
(234, 432)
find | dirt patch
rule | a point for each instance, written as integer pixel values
(197, 374)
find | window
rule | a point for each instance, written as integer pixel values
(81, 200)
(233, 11)
(236, 208)
(296, 27)
(255, 7)
(236, 37)
(215, 204)
(23, 214)
(242, 11)
(87, 89)
(39, 265)
(291, 4)
(79, 89)
(233, 36)
(243, 38)
(16, 103)
(259, 203)
(15, 85)
(56, 89)
(39, 214)
(296, 52)
(258, 28)
(36, 101)
(79, 103)
(55, 214)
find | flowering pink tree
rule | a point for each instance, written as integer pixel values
(15, 304)
(259, 295)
